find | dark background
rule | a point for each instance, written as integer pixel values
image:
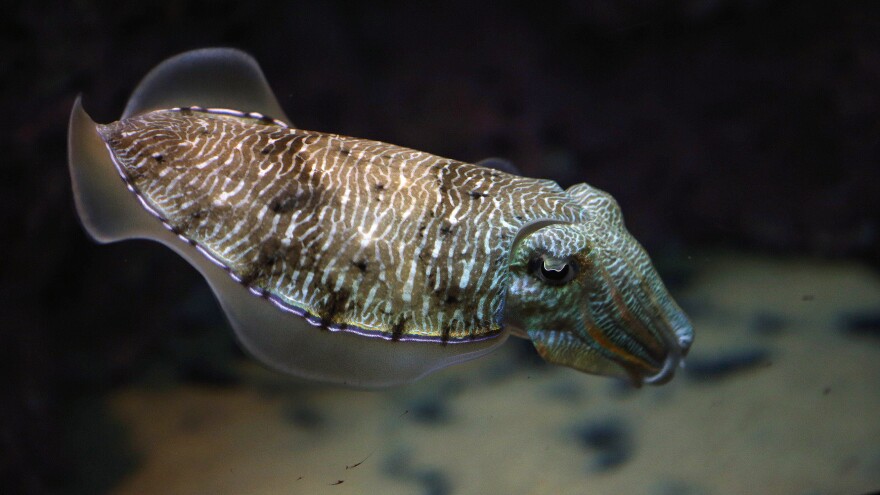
(735, 124)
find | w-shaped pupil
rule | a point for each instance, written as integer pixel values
(559, 275)
(556, 275)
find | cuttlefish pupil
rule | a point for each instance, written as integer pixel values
(355, 261)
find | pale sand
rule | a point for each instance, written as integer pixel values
(805, 421)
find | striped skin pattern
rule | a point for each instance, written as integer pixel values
(354, 235)
(614, 312)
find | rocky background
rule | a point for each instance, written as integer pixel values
(739, 124)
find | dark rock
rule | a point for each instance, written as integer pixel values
(722, 365)
(428, 410)
(398, 465)
(434, 482)
(865, 324)
(431, 406)
(608, 440)
(766, 323)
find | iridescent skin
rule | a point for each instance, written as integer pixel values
(361, 262)
(589, 298)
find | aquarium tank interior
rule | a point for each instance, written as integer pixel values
(442, 324)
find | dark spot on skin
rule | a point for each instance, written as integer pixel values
(266, 150)
(608, 440)
(286, 202)
(186, 111)
(360, 264)
(451, 299)
(344, 151)
(866, 324)
(271, 251)
(445, 332)
(764, 323)
(265, 119)
(478, 195)
(518, 217)
(398, 329)
(445, 229)
(725, 364)
(159, 157)
(336, 304)
(380, 187)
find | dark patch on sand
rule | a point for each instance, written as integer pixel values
(864, 324)
(433, 481)
(767, 323)
(609, 442)
(725, 364)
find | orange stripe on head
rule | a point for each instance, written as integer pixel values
(630, 321)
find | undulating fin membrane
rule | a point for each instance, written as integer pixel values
(106, 208)
(208, 78)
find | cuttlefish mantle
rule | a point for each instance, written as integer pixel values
(359, 262)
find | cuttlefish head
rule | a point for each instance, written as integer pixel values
(588, 297)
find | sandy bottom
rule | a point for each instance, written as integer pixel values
(781, 395)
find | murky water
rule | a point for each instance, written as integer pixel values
(779, 396)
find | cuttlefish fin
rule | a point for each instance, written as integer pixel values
(208, 78)
(108, 211)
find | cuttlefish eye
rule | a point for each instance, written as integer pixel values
(553, 271)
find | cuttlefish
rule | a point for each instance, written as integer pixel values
(360, 262)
